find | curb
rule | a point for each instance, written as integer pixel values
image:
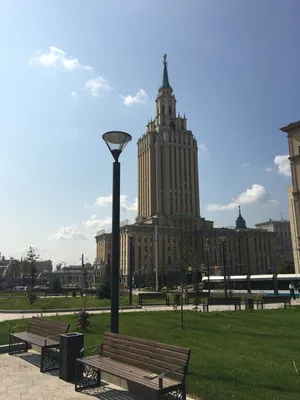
(66, 310)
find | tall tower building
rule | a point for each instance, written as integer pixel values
(169, 210)
(293, 133)
(168, 185)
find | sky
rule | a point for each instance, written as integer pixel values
(72, 70)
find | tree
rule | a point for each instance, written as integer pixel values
(56, 286)
(104, 290)
(184, 255)
(286, 267)
(30, 265)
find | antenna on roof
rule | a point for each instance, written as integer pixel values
(281, 215)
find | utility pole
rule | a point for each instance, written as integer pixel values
(131, 261)
(156, 257)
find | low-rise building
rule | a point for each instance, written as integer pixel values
(282, 229)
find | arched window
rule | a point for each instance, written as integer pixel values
(172, 125)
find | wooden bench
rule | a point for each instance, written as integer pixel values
(152, 370)
(286, 300)
(43, 333)
(222, 301)
(195, 296)
(154, 296)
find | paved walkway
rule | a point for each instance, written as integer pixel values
(21, 379)
(11, 316)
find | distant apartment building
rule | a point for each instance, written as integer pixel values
(284, 240)
(73, 275)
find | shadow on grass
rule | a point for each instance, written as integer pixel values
(231, 380)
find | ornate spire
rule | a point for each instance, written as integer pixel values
(165, 79)
(240, 222)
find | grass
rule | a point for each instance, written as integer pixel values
(51, 303)
(235, 355)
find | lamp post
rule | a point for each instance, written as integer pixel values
(131, 262)
(222, 243)
(116, 142)
(207, 246)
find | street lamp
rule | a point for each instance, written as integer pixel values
(116, 142)
(222, 243)
(207, 249)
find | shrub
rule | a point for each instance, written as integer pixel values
(104, 290)
(56, 286)
(32, 298)
(83, 320)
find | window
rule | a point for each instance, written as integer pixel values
(172, 125)
(170, 110)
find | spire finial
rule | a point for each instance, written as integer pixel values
(239, 210)
(165, 80)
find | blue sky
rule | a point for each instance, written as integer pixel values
(67, 69)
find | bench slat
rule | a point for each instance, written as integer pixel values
(129, 373)
(35, 339)
(155, 345)
(145, 366)
(142, 361)
(141, 348)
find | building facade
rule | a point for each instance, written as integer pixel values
(292, 216)
(169, 233)
(293, 134)
(284, 240)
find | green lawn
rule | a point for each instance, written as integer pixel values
(51, 303)
(235, 355)
(59, 303)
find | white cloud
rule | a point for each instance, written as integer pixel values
(97, 86)
(245, 165)
(74, 94)
(202, 146)
(125, 204)
(268, 169)
(58, 58)
(67, 233)
(283, 164)
(98, 223)
(257, 194)
(140, 97)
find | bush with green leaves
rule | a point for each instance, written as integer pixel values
(56, 286)
(104, 290)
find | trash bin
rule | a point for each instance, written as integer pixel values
(74, 293)
(249, 304)
(70, 346)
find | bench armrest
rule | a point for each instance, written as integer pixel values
(162, 375)
(56, 336)
(18, 326)
(98, 346)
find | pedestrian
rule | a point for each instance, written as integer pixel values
(292, 290)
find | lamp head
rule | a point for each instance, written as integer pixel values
(116, 141)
